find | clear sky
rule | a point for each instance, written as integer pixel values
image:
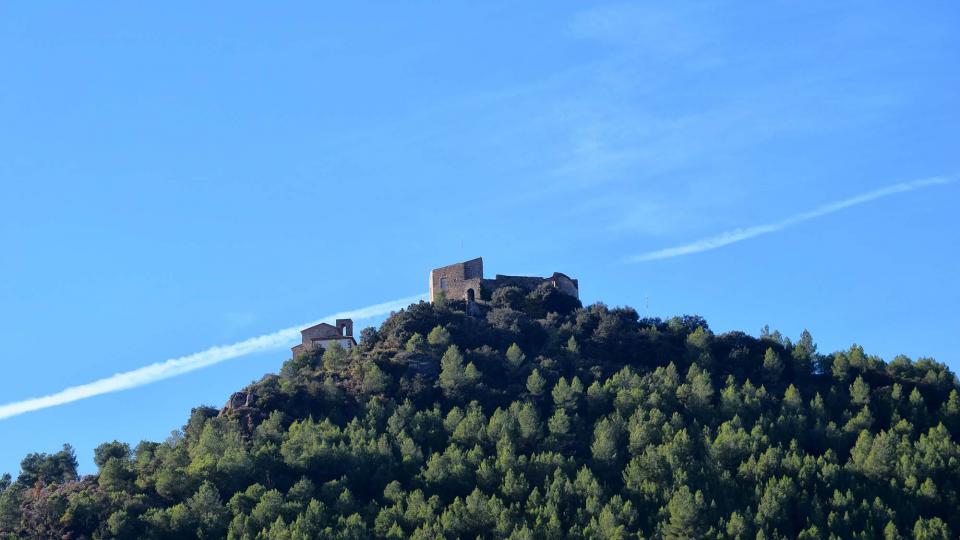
(179, 176)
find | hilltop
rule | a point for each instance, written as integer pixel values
(526, 415)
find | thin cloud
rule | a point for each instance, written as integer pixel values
(192, 362)
(739, 235)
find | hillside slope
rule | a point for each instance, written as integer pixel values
(535, 418)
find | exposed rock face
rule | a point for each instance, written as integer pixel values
(422, 365)
(242, 405)
(239, 400)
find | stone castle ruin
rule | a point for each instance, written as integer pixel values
(465, 281)
(461, 281)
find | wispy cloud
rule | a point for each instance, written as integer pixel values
(674, 101)
(738, 235)
(192, 362)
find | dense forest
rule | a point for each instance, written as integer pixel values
(534, 417)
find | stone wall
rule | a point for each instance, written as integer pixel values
(529, 283)
(456, 280)
(323, 334)
(345, 327)
(566, 284)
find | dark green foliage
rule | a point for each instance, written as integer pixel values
(508, 297)
(515, 359)
(335, 357)
(48, 469)
(685, 515)
(456, 380)
(772, 366)
(536, 384)
(535, 418)
(439, 337)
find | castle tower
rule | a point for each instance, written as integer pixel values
(459, 281)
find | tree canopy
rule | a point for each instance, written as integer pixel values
(534, 417)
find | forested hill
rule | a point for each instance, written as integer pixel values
(535, 418)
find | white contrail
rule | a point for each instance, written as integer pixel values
(185, 364)
(737, 235)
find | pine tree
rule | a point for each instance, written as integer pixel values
(792, 401)
(536, 384)
(684, 511)
(439, 337)
(454, 378)
(567, 395)
(772, 366)
(698, 347)
(515, 358)
(931, 529)
(529, 423)
(859, 392)
(890, 532)
(335, 357)
(697, 391)
(416, 343)
(375, 381)
(606, 442)
(950, 411)
(804, 353)
(840, 367)
(559, 424)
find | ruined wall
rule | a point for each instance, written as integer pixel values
(456, 279)
(529, 283)
(566, 284)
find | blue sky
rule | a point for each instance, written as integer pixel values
(183, 176)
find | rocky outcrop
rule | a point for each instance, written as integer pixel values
(239, 400)
(419, 364)
(243, 407)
